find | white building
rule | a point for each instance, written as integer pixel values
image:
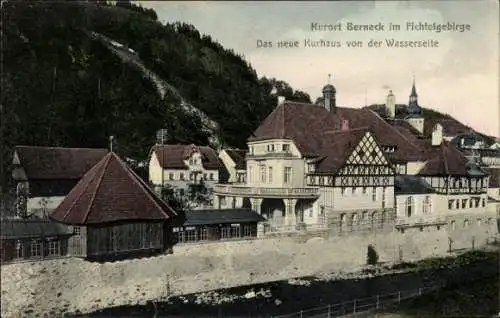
(235, 162)
(183, 166)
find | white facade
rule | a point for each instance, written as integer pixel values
(181, 178)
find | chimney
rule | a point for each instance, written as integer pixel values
(345, 124)
(281, 100)
(390, 104)
(437, 135)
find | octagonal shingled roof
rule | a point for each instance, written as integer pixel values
(110, 192)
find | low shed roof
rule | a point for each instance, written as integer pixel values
(221, 216)
(16, 229)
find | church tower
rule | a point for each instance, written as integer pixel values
(415, 117)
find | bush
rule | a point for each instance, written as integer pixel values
(372, 256)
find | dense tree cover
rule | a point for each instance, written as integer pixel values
(62, 88)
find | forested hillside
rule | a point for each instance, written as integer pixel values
(61, 87)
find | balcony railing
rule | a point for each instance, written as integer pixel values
(418, 221)
(238, 190)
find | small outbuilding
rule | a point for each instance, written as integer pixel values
(115, 214)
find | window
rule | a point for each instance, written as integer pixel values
(374, 194)
(354, 190)
(36, 249)
(321, 211)
(76, 230)
(286, 147)
(466, 223)
(457, 204)
(450, 204)
(181, 176)
(53, 248)
(211, 176)
(288, 175)
(364, 190)
(409, 206)
(427, 205)
(354, 219)
(383, 197)
(270, 176)
(471, 203)
(262, 173)
(19, 249)
(191, 176)
(365, 217)
(170, 176)
(204, 176)
(484, 202)
(222, 201)
(478, 222)
(270, 148)
(311, 167)
(191, 161)
(342, 191)
(453, 225)
(464, 203)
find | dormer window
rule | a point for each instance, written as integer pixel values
(312, 167)
(286, 147)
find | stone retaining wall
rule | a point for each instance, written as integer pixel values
(74, 285)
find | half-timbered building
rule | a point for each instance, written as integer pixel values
(324, 166)
(115, 214)
(45, 175)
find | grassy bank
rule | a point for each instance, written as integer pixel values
(475, 298)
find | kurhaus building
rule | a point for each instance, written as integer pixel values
(321, 166)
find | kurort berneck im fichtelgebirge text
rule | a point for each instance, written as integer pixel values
(384, 27)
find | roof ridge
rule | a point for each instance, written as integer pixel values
(93, 169)
(57, 147)
(333, 131)
(92, 199)
(141, 184)
(398, 132)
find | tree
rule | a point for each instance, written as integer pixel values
(372, 256)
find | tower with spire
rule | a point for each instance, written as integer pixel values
(415, 117)
(413, 107)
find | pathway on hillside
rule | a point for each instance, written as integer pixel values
(131, 57)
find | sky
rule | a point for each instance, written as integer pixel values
(459, 77)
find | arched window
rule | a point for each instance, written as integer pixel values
(453, 225)
(427, 206)
(409, 206)
(466, 223)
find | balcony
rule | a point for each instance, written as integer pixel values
(420, 221)
(261, 192)
(270, 155)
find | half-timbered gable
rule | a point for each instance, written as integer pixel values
(47, 174)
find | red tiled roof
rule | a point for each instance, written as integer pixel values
(41, 163)
(238, 156)
(305, 124)
(109, 192)
(445, 159)
(336, 147)
(173, 156)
